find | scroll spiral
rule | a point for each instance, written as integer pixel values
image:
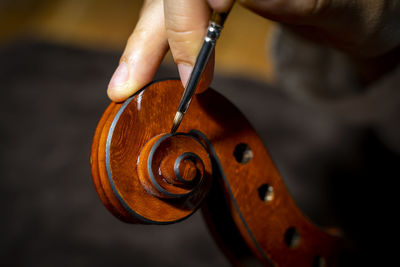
(144, 177)
(175, 167)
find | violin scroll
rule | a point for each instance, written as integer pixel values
(144, 174)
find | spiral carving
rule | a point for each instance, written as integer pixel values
(173, 166)
(143, 177)
(188, 168)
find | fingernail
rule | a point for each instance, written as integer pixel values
(184, 71)
(120, 76)
(220, 5)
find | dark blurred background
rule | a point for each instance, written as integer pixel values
(56, 58)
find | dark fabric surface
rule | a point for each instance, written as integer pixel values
(52, 97)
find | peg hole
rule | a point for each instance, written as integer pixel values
(243, 153)
(266, 193)
(292, 237)
(319, 261)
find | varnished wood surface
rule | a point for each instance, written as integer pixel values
(275, 230)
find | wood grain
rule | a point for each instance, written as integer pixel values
(272, 226)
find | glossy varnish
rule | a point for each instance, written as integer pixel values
(230, 152)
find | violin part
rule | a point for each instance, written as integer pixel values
(217, 162)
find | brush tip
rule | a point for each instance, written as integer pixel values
(177, 121)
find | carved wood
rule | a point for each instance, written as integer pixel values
(141, 176)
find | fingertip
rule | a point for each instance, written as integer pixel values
(184, 72)
(220, 5)
(143, 53)
(120, 76)
(207, 76)
(121, 93)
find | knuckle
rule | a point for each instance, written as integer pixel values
(315, 7)
(179, 31)
(288, 9)
(311, 8)
(182, 23)
(184, 45)
(124, 58)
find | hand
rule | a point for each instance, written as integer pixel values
(362, 28)
(177, 24)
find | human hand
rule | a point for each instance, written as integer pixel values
(362, 28)
(176, 24)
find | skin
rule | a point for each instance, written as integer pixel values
(367, 30)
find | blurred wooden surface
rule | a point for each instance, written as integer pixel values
(106, 24)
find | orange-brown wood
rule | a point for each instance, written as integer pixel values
(254, 195)
(165, 152)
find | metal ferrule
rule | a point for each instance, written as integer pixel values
(213, 32)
